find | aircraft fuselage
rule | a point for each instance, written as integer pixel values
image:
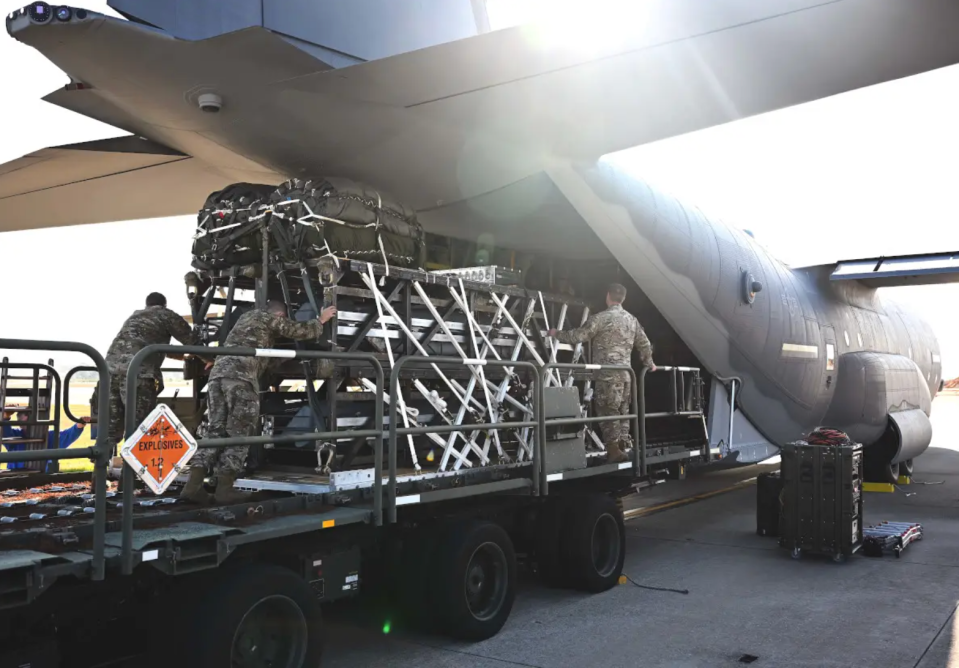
(807, 350)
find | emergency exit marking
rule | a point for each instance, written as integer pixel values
(159, 449)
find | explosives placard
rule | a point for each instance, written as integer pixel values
(159, 449)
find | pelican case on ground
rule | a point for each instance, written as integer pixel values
(822, 499)
(769, 488)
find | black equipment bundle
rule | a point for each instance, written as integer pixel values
(822, 495)
(305, 219)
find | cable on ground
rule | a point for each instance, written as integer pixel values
(650, 587)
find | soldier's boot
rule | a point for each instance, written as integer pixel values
(614, 455)
(193, 490)
(226, 494)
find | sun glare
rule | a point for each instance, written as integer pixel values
(598, 26)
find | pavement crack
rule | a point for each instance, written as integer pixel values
(936, 637)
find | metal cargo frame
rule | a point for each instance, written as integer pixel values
(193, 539)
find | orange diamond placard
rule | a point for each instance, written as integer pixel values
(159, 449)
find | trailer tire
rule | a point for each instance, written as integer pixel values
(476, 586)
(414, 580)
(595, 543)
(254, 608)
(551, 560)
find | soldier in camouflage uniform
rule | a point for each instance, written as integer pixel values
(153, 324)
(233, 399)
(614, 334)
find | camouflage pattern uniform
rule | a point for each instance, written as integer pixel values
(233, 398)
(614, 334)
(154, 324)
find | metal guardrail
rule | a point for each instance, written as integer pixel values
(639, 454)
(66, 391)
(202, 351)
(100, 453)
(536, 455)
(676, 383)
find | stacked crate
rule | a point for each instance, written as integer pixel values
(822, 499)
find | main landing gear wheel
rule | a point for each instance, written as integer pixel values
(906, 468)
(476, 586)
(880, 471)
(251, 616)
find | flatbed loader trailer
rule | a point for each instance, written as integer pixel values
(198, 583)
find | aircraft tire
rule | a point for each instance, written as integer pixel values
(879, 471)
(906, 468)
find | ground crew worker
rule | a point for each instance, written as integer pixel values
(153, 324)
(233, 400)
(614, 334)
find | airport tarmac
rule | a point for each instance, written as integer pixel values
(748, 602)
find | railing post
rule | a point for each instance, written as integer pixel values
(639, 426)
(540, 448)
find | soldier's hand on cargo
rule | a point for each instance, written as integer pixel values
(327, 314)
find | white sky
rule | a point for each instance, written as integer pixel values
(858, 175)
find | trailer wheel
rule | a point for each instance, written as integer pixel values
(254, 615)
(477, 580)
(595, 543)
(551, 559)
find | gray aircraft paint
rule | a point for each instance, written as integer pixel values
(784, 345)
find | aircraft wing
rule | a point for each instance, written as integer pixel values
(457, 120)
(885, 272)
(126, 178)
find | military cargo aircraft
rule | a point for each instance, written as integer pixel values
(501, 132)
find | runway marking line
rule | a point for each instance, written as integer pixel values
(649, 510)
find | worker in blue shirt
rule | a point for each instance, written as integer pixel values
(64, 439)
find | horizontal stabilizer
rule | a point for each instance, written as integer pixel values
(885, 272)
(126, 178)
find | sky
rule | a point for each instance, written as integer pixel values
(858, 175)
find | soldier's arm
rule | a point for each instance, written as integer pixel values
(643, 346)
(180, 329)
(298, 331)
(580, 334)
